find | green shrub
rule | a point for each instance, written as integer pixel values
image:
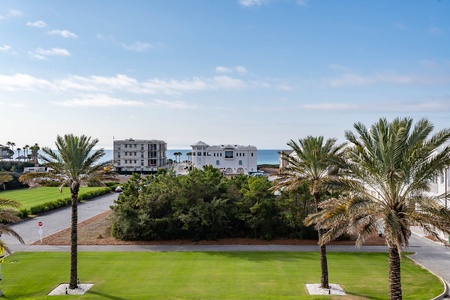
(52, 205)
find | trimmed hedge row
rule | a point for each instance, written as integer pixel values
(48, 206)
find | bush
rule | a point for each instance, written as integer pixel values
(52, 205)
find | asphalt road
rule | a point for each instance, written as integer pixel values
(55, 221)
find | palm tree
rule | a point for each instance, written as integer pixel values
(390, 169)
(35, 152)
(18, 151)
(25, 149)
(74, 162)
(11, 144)
(177, 154)
(8, 214)
(189, 154)
(313, 161)
(4, 178)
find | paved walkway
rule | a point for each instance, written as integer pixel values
(433, 256)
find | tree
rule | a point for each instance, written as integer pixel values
(313, 161)
(18, 151)
(177, 154)
(74, 162)
(5, 177)
(8, 214)
(189, 154)
(25, 150)
(11, 144)
(391, 166)
(35, 153)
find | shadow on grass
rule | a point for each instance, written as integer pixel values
(262, 256)
(105, 296)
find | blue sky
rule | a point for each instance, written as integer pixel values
(258, 72)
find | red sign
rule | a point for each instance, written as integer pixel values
(40, 223)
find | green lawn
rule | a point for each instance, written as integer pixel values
(210, 275)
(41, 195)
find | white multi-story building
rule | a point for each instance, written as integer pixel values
(230, 159)
(139, 155)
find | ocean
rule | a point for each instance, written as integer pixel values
(265, 156)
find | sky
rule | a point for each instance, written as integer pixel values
(248, 72)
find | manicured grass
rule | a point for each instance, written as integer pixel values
(210, 275)
(41, 195)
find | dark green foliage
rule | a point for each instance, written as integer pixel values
(205, 205)
(14, 183)
(14, 164)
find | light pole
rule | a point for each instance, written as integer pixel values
(446, 184)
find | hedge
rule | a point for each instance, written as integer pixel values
(48, 206)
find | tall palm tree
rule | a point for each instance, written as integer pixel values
(18, 151)
(177, 154)
(11, 144)
(313, 160)
(391, 166)
(25, 149)
(189, 154)
(75, 162)
(35, 152)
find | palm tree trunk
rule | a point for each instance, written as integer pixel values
(395, 285)
(323, 251)
(323, 266)
(73, 283)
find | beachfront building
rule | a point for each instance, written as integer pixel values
(143, 156)
(230, 159)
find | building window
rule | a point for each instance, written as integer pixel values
(228, 154)
(251, 154)
(240, 162)
(199, 154)
(217, 162)
(126, 161)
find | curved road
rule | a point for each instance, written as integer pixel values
(431, 255)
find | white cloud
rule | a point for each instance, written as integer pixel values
(62, 33)
(390, 107)
(225, 70)
(172, 104)
(99, 101)
(42, 54)
(240, 69)
(221, 69)
(249, 3)
(11, 13)
(352, 79)
(138, 47)
(124, 83)
(23, 82)
(37, 24)
(5, 48)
